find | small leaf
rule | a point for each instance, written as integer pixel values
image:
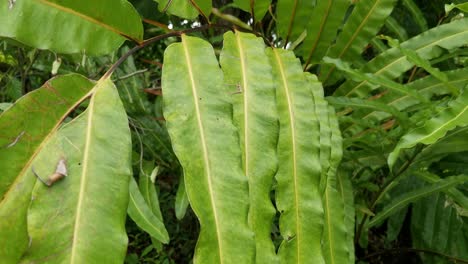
(143, 216)
(181, 202)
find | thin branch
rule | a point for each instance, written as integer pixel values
(153, 40)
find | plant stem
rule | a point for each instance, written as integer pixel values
(153, 40)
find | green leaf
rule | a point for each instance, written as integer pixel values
(392, 63)
(26, 128)
(345, 189)
(358, 75)
(365, 21)
(146, 183)
(461, 7)
(199, 120)
(298, 196)
(244, 62)
(327, 17)
(360, 103)
(456, 114)
(407, 198)
(394, 27)
(144, 216)
(292, 18)
(188, 9)
(437, 227)
(416, 14)
(69, 26)
(81, 219)
(259, 8)
(334, 245)
(428, 87)
(181, 202)
(459, 197)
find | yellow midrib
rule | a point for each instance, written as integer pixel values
(244, 89)
(293, 139)
(84, 171)
(204, 147)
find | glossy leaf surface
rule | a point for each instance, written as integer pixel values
(70, 26)
(199, 121)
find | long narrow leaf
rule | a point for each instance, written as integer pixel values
(392, 63)
(327, 17)
(456, 114)
(199, 121)
(245, 63)
(292, 18)
(81, 219)
(427, 87)
(366, 20)
(358, 75)
(26, 127)
(71, 26)
(402, 201)
(334, 245)
(298, 177)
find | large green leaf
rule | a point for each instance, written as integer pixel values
(298, 197)
(437, 227)
(401, 201)
(68, 26)
(199, 121)
(327, 17)
(188, 9)
(362, 25)
(456, 114)
(245, 63)
(334, 242)
(25, 128)
(81, 219)
(392, 63)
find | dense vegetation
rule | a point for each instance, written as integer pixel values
(282, 131)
